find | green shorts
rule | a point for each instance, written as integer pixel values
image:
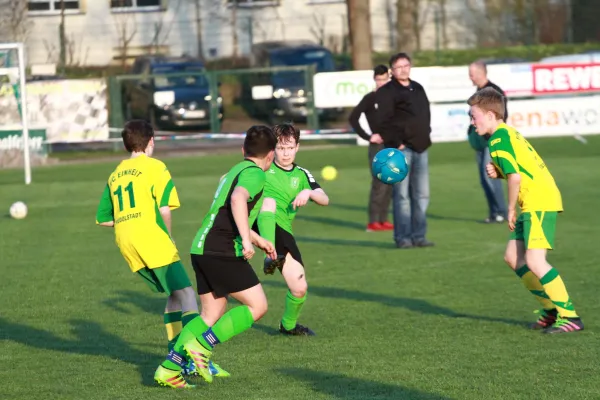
(166, 279)
(536, 229)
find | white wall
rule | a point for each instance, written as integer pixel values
(96, 38)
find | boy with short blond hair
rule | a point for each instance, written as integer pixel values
(531, 185)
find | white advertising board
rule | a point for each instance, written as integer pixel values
(533, 118)
(442, 84)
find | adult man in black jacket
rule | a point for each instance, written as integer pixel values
(381, 194)
(405, 124)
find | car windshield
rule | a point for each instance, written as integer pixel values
(163, 82)
(322, 59)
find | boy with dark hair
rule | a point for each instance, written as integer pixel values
(531, 185)
(381, 194)
(220, 252)
(287, 188)
(137, 201)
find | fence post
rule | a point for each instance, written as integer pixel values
(313, 116)
(213, 87)
(115, 107)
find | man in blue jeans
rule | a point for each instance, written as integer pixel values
(492, 188)
(405, 124)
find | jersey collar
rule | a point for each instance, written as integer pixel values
(285, 170)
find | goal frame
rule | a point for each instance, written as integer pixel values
(21, 102)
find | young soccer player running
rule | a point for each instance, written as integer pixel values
(288, 187)
(531, 185)
(220, 253)
(137, 201)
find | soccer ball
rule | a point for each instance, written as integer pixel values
(389, 166)
(18, 210)
(329, 173)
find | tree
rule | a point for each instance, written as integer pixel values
(14, 25)
(359, 24)
(411, 16)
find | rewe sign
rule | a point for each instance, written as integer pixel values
(566, 78)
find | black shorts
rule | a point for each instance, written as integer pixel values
(286, 243)
(222, 275)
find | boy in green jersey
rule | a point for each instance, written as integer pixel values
(220, 253)
(287, 188)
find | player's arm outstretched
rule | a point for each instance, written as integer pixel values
(104, 214)
(505, 165)
(312, 191)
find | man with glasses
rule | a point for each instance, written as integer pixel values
(405, 123)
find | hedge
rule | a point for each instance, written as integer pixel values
(420, 58)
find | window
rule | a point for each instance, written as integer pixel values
(51, 6)
(253, 3)
(128, 5)
(312, 2)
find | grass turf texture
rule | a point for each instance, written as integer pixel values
(440, 323)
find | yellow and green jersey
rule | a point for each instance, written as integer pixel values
(513, 154)
(135, 191)
(283, 186)
(218, 235)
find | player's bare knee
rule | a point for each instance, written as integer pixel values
(269, 205)
(511, 260)
(258, 309)
(299, 288)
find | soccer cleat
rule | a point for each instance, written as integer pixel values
(298, 330)
(216, 370)
(545, 320)
(213, 368)
(169, 378)
(564, 325)
(270, 264)
(200, 357)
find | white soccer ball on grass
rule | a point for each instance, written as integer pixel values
(18, 210)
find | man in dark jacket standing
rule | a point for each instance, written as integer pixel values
(381, 194)
(492, 188)
(405, 124)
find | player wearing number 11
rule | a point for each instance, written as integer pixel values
(137, 201)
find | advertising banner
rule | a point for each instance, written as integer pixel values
(566, 78)
(532, 118)
(442, 84)
(68, 110)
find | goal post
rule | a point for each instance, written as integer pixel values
(16, 75)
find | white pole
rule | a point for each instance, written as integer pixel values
(24, 116)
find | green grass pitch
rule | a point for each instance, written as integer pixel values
(439, 323)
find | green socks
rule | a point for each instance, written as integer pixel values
(266, 225)
(234, 322)
(293, 306)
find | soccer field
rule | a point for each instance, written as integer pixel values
(446, 322)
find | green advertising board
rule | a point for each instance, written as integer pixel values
(13, 140)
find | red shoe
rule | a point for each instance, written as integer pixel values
(374, 227)
(387, 226)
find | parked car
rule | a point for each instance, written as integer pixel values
(168, 101)
(283, 95)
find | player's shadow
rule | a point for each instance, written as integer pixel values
(347, 242)
(353, 207)
(415, 305)
(341, 223)
(91, 340)
(345, 387)
(149, 304)
(155, 306)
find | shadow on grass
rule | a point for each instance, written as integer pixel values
(155, 306)
(415, 305)
(91, 339)
(348, 242)
(353, 207)
(344, 387)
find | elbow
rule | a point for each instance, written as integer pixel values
(325, 201)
